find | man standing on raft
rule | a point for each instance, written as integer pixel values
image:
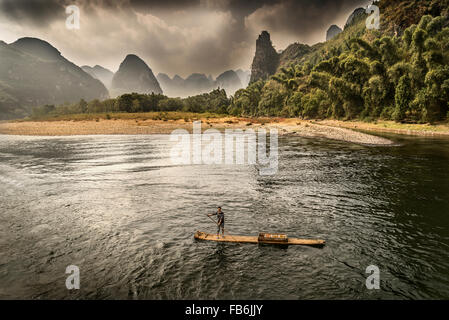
(220, 223)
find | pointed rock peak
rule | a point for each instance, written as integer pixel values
(132, 57)
(131, 60)
(332, 32)
(134, 75)
(264, 36)
(264, 40)
(266, 59)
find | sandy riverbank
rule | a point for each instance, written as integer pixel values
(150, 126)
(441, 129)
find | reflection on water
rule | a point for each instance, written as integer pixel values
(116, 207)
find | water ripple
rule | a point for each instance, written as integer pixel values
(120, 210)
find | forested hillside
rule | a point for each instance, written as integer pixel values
(362, 73)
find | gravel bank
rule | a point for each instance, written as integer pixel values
(308, 129)
(119, 126)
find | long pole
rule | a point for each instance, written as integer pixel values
(212, 220)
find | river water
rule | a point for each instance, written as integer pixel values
(116, 207)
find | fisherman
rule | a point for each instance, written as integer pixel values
(220, 223)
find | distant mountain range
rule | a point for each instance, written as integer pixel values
(198, 83)
(32, 72)
(100, 73)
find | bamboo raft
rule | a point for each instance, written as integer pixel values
(263, 238)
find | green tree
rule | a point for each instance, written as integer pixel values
(289, 77)
(402, 98)
(375, 96)
(136, 106)
(437, 94)
(124, 103)
(272, 100)
(82, 106)
(94, 106)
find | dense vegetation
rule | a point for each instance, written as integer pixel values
(368, 76)
(213, 102)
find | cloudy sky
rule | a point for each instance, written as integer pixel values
(174, 37)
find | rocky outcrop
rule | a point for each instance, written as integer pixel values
(266, 59)
(332, 32)
(134, 75)
(357, 14)
(100, 73)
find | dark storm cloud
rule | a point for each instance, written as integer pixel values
(305, 20)
(42, 11)
(179, 36)
(175, 4)
(37, 12)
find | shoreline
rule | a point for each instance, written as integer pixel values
(99, 126)
(423, 130)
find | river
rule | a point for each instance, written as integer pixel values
(116, 207)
